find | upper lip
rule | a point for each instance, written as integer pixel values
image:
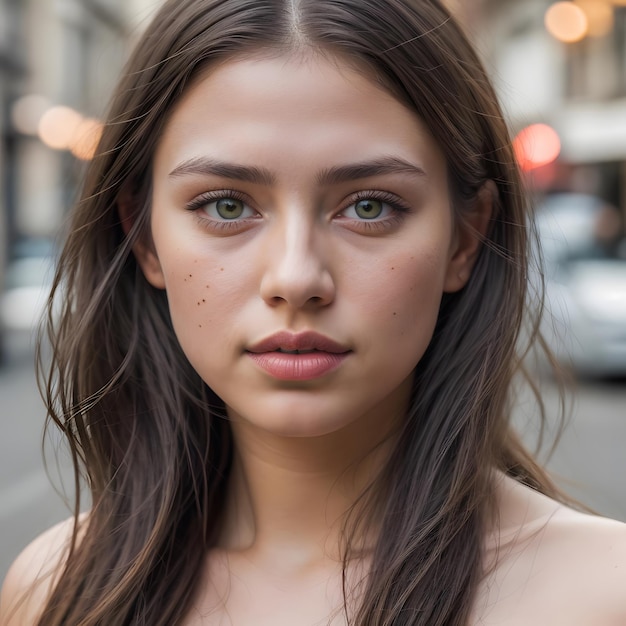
(308, 340)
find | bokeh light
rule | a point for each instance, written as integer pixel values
(58, 126)
(567, 22)
(86, 138)
(535, 146)
(600, 17)
(27, 111)
(63, 128)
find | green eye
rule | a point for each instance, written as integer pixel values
(229, 208)
(368, 209)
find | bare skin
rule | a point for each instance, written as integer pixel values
(553, 565)
(299, 253)
(556, 567)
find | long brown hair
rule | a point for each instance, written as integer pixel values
(152, 440)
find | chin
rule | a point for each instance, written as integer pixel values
(295, 422)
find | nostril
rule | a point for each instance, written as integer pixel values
(302, 286)
(277, 299)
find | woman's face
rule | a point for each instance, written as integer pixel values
(303, 233)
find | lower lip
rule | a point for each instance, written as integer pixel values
(308, 366)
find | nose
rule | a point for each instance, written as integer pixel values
(296, 270)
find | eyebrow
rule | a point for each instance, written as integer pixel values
(367, 169)
(330, 176)
(206, 166)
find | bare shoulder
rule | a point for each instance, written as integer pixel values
(553, 565)
(589, 553)
(31, 576)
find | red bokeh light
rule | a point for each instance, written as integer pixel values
(536, 146)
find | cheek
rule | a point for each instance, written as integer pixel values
(203, 295)
(405, 287)
(404, 302)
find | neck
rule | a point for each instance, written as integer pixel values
(291, 495)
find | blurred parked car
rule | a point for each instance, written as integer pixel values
(27, 283)
(584, 254)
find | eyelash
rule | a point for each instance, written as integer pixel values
(212, 196)
(399, 209)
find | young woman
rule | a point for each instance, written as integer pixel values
(293, 291)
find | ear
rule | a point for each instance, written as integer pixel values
(143, 247)
(470, 233)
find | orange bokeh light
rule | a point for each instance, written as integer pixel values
(536, 146)
(57, 127)
(63, 128)
(567, 22)
(600, 16)
(86, 139)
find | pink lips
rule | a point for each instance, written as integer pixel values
(316, 355)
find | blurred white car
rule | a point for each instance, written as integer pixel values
(585, 273)
(27, 284)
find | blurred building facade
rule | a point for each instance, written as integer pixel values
(11, 67)
(53, 53)
(578, 87)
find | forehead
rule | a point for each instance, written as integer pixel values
(326, 104)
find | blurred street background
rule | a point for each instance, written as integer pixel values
(560, 70)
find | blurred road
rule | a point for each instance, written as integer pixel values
(28, 502)
(591, 458)
(589, 462)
